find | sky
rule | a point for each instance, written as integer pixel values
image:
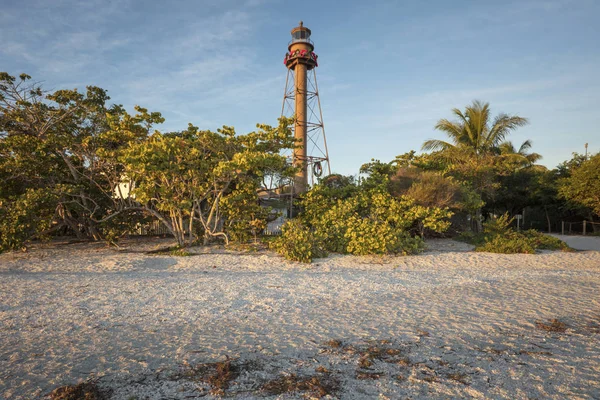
(388, 70)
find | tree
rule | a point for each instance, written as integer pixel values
(478, 153)
(63, 146)
(521, 157)
(366, 219)
(582, 186)
(472, 132)
(433, 189)
(211, 178)
(419, 177)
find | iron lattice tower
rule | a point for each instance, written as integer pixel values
(301, 101)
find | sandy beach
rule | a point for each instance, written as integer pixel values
(449, 323)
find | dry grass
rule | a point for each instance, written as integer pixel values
(458, 377)
(404, 362)
(381, 350)
(368, 375)
(334, 344)
(430, 378)
(554, 325)
(380, 353)
(311, 386)
(217, 375)
(322, 370)
(365, 361)
(533, 353)
(82, 391)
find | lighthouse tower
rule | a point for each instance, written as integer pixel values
(301, 101)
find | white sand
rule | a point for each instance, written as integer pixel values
(68, 313)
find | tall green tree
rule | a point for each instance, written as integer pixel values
(61, 148)
(582, 186)
(477, 152)
(206, 183)
(521, 156)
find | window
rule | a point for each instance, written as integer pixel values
(300, 35)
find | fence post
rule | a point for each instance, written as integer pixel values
(584, 227)
(563, 226)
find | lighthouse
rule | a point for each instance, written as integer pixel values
(301, 97)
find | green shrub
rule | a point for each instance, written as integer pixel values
(298, 243)
(498, 225)
(499, 237)
(366, 237)
(370, 221)
(508, 243)
(180, 253)
(545, 242)
(28, 215)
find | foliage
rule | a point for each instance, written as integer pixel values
(364, 237)
(519, 158)
(498, 226)
(72, 163)
(478, 153)
(87, 390)
(582, 186)
(65, 143)
(105, 170)
(527, 242)
(26, 215)
(499, 237)
(419, 177)
(180, 253)
(433, 189)
(207, 177)
(474, 132)
(298, 243)
(369, 221)
(542, 241)
(122, 224)
(510, 242)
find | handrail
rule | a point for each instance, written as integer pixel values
(301, 41)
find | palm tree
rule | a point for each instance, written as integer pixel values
(475, 145)
(472, 132)
(522, 157)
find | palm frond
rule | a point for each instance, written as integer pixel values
(436, 145)
(533, 157)
(452, 129)
(506, 147)
(479, 115)
(503, 125)
(526, 145)
(472, 131)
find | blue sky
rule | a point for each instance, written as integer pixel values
(388, 70)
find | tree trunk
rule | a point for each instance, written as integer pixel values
(170, 227)
(478, 223)
(191, 234)
(179, 235)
